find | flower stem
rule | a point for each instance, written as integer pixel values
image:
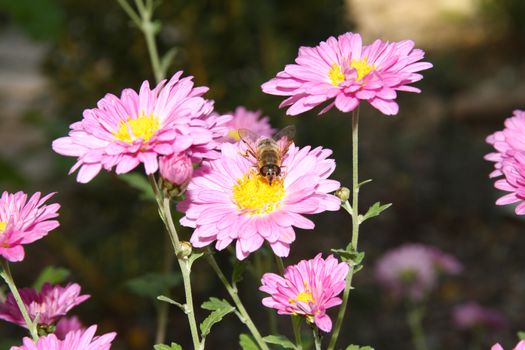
(355, 227)
(8, 278)
(317, 338)
(296, 323)
(238, 303)
(414, 317)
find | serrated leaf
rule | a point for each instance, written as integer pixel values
(521, 335)
(376, 209)
(173, 346)
(220, 309)
(153, 283)
(356, 258)
(279, 340)
(247, 343)
(238, 271)
(51, 274)
(357, 347)
(140, 183)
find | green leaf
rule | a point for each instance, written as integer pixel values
(357, 347)
(51, 274)
(153, 283)
(238, 271)
(279, 340)
(247, 343)
(521, 335)
(364, 183)
(173, 346)
(376, 209)
(220, 308)
(194, 256)
(171, 301)
(355, 258)
(140, 183)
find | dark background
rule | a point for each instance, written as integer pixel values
(60, 57)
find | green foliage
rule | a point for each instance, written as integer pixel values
(219, 308)
(140, 183)
(357, 347)
(521, 335)
(376, 209)
(153, 283)
(281, 340)
(246, 342)
(238, 271)
(173, 346)
(51, 274)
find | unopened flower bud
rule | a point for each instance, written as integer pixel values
(343, 193)
(184, 250)
(177, 170)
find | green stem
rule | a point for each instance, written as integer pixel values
(8, 278)
(296, 325)
(317, 338)
(245, 317)
(355, 227)
(163, 308)
(414, 318)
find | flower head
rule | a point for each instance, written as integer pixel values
(177, 169)
(66, 325)
(307, 289)
(75, 340)
(472, 315)
(412, 270)
(228, 199)
(344, 71)
(24, 221)
(48, 305)
(139, 127)
(245, 119)
(519, 346)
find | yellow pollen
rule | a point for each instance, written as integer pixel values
(3, 226)
(234, 134)
(362, 67)
(143, 127)
(305, 296)
(336, 75)
(254, 195)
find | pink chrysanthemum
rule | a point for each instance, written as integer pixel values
(250, 120)
(519, 346)
(48, 305)
(345, 70)
(76, 340)
(411, 270)
(307, 289)
(138, 128)
(509, 160)
(66, 325)
(24, 221)
(228, 200)
(472, 315)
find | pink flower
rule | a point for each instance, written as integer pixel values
(76, 340)
(228, 200)
(48, 305)
(24, 221)
(177, 169)
(307, 289)
(411, 270)
(519, 346)
(138, 128)
(245, 119)
(472, 315)
(66, 325)
(345, 71)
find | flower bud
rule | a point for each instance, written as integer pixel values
(185, 250)
(176, 169)
(343, 193)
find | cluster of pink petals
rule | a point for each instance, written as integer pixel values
(76, 340)
(309, 82)
(250, 120)
(308, 289)
(66, 325)
(472, 315)
(24, 221)
(509, 160)
(519, 346)
(183, 124)
(412, 270)
(50, 304)
(210, 208)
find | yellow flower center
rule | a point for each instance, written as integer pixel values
(254, 195)
(3, 226)
(305, 296)
(143, 127)
(362, 67)
(336, 75)
(234, 134)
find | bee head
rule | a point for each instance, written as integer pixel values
(270, 171)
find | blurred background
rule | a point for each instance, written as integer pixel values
(58, 57)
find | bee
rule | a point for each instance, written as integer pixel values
(268, 151)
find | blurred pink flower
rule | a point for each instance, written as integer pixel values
(519, 346)
(138, 128)
(245, 119)
(24, 221)
(307, 289)
(345, 71)
(176, 169)
(411, 270)
(48, 305)
(472, 315)
(228, 200)
(66, 325)
(76, 340)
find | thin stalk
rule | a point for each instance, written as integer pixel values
(163, 308)
(245, 317)
(414, 318)
(317, 338)
(355, 227)
(296, 323)
(8, 278)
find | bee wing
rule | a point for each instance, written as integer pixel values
(249, 138)
(287, 132)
